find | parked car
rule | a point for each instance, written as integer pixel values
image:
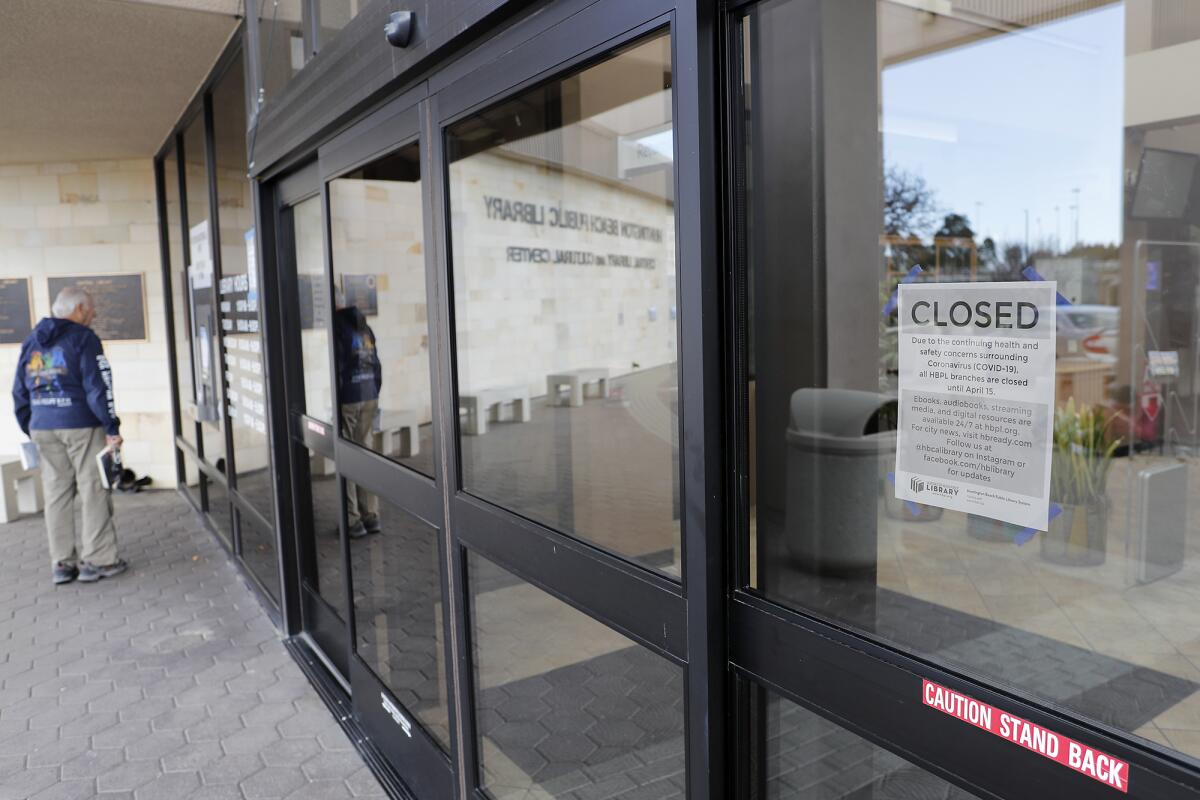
(1088, 330)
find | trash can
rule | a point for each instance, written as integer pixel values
(837, 441)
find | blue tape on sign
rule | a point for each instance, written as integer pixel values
(1031, 274)
(913, 508)
(1025, 535)
(894, 300)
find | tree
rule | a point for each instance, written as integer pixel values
(955, 255)
(909, 209)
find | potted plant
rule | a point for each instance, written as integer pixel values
(1081, 459)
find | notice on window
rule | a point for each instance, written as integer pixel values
(977, 398)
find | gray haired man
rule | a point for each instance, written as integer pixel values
(63, 400)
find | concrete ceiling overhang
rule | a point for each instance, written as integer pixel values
(102, 79)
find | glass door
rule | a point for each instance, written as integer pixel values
(307, 312)
(963, 548)
(383, 419)
(561, 318)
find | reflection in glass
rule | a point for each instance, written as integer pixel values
(398, 614)
(238, 297)
(179, 298)
(320, 527)
(381, 333)
(259, 553)
(1051, 159)
(282, 48)
(219, 511)
(204, 336)
(565, 706)
(335, 15)
(807, 757)
(563, 234)
(314, 308)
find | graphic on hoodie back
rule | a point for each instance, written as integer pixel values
(43, 371)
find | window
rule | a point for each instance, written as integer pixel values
(976, 151)
(565, 706)
(205, 337)
(398, 611)
(380, 320)
(313, 313)
(563, 246)
(238, 297)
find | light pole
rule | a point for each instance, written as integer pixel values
(1076, 207)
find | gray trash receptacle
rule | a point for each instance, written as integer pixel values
(834, 451)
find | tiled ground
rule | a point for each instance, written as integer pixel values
(166, 682)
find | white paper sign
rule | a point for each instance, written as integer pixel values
(977, 398)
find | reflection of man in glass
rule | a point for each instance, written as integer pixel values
(360, 375)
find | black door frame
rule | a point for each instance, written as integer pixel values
(870, 687)
(397, 732)
(647, 607)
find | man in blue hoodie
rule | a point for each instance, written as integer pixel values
(63, 399)
(360, 376)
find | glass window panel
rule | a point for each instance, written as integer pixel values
(205, 338)
(238, 297)
(565, 706)
(381, 331)
(563, 233)
(259, 553)
(219, 511)
(282, 49)
(1092, 187)
(313, 292)
(398, 612)
(335, 15)
(323, 512)
(179, 298)
(807, 757)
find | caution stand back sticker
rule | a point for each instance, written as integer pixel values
(977, 398)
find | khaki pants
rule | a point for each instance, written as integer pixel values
(69, 471)
(361, 505)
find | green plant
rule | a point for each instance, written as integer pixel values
(1083, 450)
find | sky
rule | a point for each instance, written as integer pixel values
(1016, 122)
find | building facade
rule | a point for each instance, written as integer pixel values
(555, 375)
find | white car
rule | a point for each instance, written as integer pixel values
(1088, 330)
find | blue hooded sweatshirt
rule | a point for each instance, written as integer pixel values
(360, 374)
(63, 380)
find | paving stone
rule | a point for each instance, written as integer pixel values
(168, 683)
(67, 790)
(26, 783)
(273, 782)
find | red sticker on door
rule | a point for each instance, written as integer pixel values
(1083, 759)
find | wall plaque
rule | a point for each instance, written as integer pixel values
(120, 303)
(16, 311)
(361, 291)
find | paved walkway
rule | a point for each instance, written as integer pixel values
(167, 682)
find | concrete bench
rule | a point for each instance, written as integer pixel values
(394, 433)
(576, 381)
(480, 403)
(22, 489)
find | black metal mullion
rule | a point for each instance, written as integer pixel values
(214, 237)
(457, 591)
(266, 216)
(164, 254)
(698, 181)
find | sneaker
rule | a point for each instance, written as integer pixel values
(372, 525)
(64, 573)
(90, 573)
(357, 531)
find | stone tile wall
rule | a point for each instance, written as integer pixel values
(95, 217)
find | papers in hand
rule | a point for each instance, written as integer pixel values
(30, 457)
(108, 461)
